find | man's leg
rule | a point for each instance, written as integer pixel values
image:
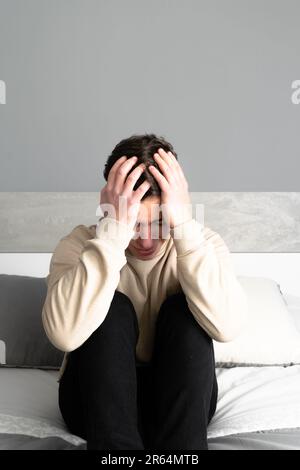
(101, 374)
(184, 380)
(145, 402)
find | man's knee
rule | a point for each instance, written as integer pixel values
(174, 308)
(120, 317)
(121, 299)
(121, 310)
(175, 312)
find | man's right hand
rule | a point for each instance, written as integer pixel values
(120, 187)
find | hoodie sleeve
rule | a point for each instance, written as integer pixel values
(83, 276)
(206, 275)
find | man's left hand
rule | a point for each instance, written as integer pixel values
(175, 197)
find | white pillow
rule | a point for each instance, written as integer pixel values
(293, 305)
(270, 336)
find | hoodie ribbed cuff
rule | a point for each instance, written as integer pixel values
(115, 232)
(187, 236)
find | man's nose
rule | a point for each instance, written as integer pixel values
(145, 239)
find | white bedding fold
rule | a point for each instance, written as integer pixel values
(256, 398)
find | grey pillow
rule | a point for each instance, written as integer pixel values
(23, 341)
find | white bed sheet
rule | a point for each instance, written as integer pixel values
(250, 399)
(258, 398)
(255, 399)
(29, 404)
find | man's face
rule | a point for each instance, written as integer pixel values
(149, 220)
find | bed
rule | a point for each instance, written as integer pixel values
(258, 406)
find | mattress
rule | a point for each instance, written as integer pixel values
(258, 408)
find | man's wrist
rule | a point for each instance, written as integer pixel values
(187, 236)
(114, 231)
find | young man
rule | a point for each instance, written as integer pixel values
(136, 314)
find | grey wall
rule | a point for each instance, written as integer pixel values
(247, 221)
(213, 77)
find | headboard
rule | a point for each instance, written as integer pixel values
(261, 229)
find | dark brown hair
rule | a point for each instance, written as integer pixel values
(142, 146)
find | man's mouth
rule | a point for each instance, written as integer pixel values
(146, 252)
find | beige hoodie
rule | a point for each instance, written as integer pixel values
(91, 262)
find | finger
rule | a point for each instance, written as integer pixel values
(170, 157)
(171, 160)
(141, 190)
(132, 178)
(163, 183)
(167, 170)
(121, 174)
(113, 170)
(177, 164)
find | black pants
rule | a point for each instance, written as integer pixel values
(114, 401)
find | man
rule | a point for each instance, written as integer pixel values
(136, 314)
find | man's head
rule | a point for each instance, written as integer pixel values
(149, 220)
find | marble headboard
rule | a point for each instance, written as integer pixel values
(249, 222)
